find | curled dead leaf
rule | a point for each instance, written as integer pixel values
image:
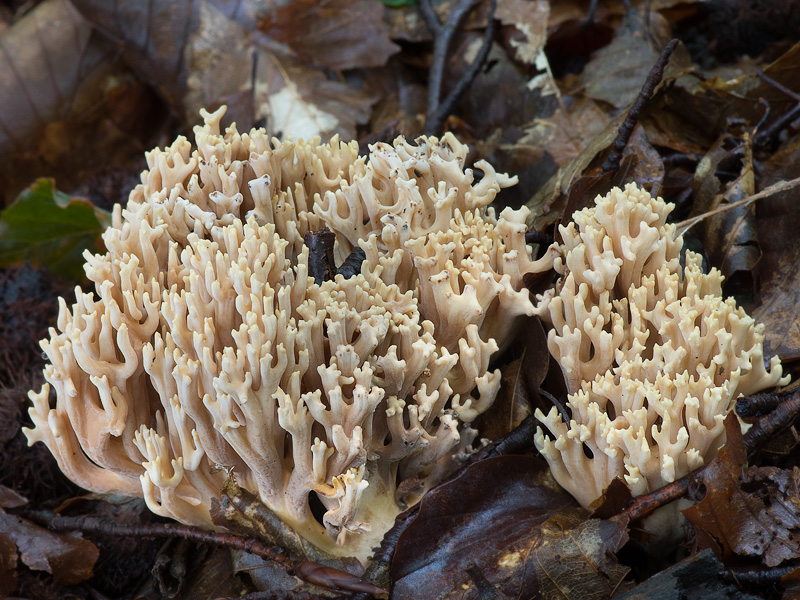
(69, 559)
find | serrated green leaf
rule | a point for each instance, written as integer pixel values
(51, 228)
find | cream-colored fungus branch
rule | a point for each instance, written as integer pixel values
(652, 354)
(205, 343)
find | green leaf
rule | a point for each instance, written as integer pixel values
(50, 228)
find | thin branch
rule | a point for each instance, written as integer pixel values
(327, 577)
(626, 129)
(768, 426)
(757, 576)
(431, 20)
(438, 110)
(434, 123)
(777, 85)
(780, 186)
(641, 506)
(768, 134)
(758, 404)
(765, 138)
(443, 36)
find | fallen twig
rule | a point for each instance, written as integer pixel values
(327, 577)
(758, 404)
(766, 427)
(777, 85)
(641, 506)
(757, 576)
(780, 186)
(538, 237)
(766, 136)
(626, 129)
(438, 109)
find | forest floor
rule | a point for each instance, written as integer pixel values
(541, 89)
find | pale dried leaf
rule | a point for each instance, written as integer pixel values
(70, 560)
(47, 57)
(300, 102)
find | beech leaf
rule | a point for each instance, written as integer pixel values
(70, 560)
(51, 228)
(504, 524)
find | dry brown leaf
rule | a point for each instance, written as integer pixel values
(730, 237)
(204, 54)
(530, 20)
(70, 560)
(576, 561)
(690, 115)
(778, 223)
(519, 385)
(300, 102)
(696, 577)
(616, 73)
(547, 205)
(48, 57)
(152, 36)
(337, 34)
(736, 521)
(568, 191)
(565, 135)
(778, 490)
(504, 526)
(8, 566)
(576, 10)
(9, 498)
(512, 405)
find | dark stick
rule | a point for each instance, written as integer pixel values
(768, 426)
(758, 404)
(590, 14)
(431, 20)
(438, 110)
(765, 136)
(320, 575)
(352, 264)
(320, 254)
(761, 576)
(321, 265)
(777, 85)
(434, 123)
(681, 158)
(641, 506)
(443, 36)
(538, 237)
(484, 587)
(627, 127)
(562, 410)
